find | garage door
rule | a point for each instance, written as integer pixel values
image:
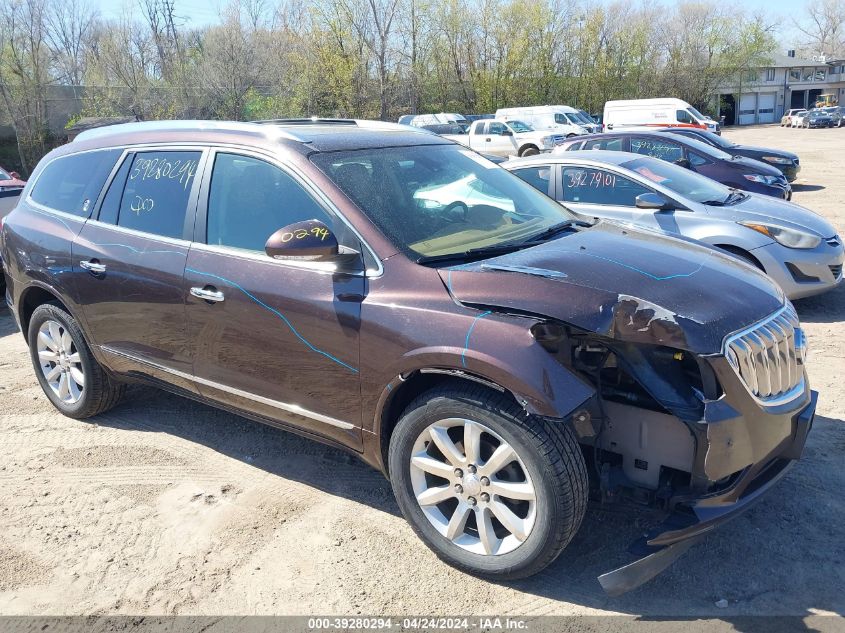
(747, 109)
(766, 109)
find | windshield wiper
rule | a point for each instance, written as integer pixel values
(473, 253)
(552, 231)
(735, 196)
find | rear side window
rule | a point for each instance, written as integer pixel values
(538, 177)
(156, 192)
(614, 144)
(72, 183)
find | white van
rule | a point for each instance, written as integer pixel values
(561, 119)
(655, 113)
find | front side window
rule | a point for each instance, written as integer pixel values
(72, 183)
(560, 119)
(496, 128)
(158, 187)
(588, 185)
(683, 116)
(657, 148)
(539, 177)
(251, 199)
(440, 200)
(520, 126)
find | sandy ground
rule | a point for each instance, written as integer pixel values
(164, 506)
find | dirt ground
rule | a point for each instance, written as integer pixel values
(164, 506)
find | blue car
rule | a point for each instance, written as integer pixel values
(738, 172)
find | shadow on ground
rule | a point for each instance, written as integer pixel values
(783, 556)
(826, 308)
(798, 188)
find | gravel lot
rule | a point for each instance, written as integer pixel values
(164, 506)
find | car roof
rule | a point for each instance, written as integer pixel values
(307, 135)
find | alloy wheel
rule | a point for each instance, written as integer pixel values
(473, 487)
(60, 362)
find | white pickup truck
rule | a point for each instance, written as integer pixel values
(506, 138)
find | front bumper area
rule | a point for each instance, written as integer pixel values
(803, 272)
(697, 516)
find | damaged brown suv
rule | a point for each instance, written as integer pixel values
(395, 294)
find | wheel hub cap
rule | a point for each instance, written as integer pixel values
(473, 487)
(60, 362)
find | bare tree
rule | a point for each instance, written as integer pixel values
(70, 28)
(824, 27)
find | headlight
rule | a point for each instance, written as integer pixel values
(778, 160)
(766, 180)
(787, 237)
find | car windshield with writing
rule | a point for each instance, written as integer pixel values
(680, 180)
(444, 200)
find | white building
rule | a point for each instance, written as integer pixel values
(789, 82)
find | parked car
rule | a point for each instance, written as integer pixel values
(499, 366)
(786, 119)
(837, 113)
(446, 128)
(797, 248)
(786, 162)
(11, 186)
(559, 119)
(734, 171)
(655, 113)
(506, 138)
(797, 119)
(817, 118)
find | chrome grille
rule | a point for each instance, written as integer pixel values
(769, 357)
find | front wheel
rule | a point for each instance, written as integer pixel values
(69, 374)
(490, 490)
(529, 151)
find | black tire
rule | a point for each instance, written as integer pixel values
(100, 392)
(529, 151)
(548, 450)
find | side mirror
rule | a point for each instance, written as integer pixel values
(653, 202)
(684, 162)
(506, 132)
(310, 240)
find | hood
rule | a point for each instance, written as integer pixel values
(627, 284)
(742, 163)
(769, 209)
(762, 151)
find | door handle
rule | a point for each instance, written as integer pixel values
(93, 266)
(209, 293)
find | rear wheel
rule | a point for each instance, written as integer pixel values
(491, 491)
(70, 376)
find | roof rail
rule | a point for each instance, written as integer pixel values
(367, 124)
(186, 126)
(307, 121)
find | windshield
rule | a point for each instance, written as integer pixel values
(4, 175)
(584, 119)
(439, 200)
(696, 113)
(519, 126)
(680, 180)
(717, 140)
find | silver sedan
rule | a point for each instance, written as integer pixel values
(799, 249)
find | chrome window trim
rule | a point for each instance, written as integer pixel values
(783, 398)
(176, 241)
(326, 268)
(277, 404)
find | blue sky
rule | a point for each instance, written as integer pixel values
(203, 12)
